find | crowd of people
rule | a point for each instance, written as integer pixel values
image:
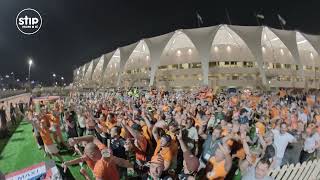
(157, 134)
(10, 112)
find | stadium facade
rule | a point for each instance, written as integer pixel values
(218, 56)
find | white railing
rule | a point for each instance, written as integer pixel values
(309, 170)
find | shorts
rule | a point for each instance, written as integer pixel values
(51, 149)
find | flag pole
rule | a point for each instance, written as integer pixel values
(281, 25)
(198, 20)
(255, 15)
(228, 17)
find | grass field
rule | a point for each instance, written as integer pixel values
(20, 151)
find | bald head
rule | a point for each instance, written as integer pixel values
(92, 151)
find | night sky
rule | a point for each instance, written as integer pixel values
(75, 31)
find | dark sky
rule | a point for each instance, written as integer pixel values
(76, 31)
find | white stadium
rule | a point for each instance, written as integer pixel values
(220, 56)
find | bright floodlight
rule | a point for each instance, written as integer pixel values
(54, 75)
(30, 62)
(62, 78)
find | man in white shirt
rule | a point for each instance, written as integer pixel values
(302, 116)
(281, 140)
(258, 172)
(309, 146)
(191, 136)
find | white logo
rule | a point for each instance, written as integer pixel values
(28, 21)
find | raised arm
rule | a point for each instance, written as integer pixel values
(228, 162)
(147, 121)
(76, 140)
(159, 124)
(122, 162)
(201, 132)
(246, 147)
(183, 146)
(72, 162)
(133, 132)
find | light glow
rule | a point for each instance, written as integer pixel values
(178, 53)
(311, 55)
(300, 42)
(228, 48)
(30, 62)
(274, 39)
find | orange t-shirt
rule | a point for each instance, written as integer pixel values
(282, 93)
(106, 170)
(284, 113)
(274, 112)
(310, 101)
(143, 144)
(209, 96)
(254, 101)
(110, 124)
(241, 154)
(123, 133)
(90, 162)
(178, 108)
(224, 131)
(234, 100)
(218, 168)
(261, 127)
(165, 108)
(317, 117)
(146, 134)
(167, 153)
(53, 119)
(197, 122)
(156, 116)
(46, 138)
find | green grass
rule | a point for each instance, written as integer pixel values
(21, 151)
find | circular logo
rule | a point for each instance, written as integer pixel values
(28, 21)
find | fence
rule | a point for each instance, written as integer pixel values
(8, 93)
(309, 170)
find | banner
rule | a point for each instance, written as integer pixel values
(44, 170)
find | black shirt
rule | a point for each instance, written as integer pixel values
(117, 146)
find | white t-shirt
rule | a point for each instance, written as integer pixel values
(81, 121)
(316, 136)
(303, 117)
(250, 174)
(309, 144)
(281, 142)
(192, 135)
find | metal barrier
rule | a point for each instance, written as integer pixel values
(309, 170)
(5, 94)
